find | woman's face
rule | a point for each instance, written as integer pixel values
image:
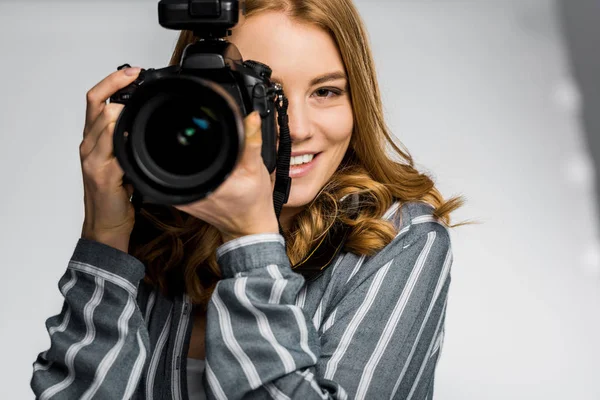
(306, 61)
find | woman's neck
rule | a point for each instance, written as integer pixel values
(287, 217)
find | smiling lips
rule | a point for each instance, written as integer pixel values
(303, 159)
(301, 165)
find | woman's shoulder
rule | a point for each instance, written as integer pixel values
(421, 239)
(415, 220)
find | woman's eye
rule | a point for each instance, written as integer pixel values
(326, 92)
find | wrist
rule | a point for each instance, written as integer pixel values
(228, 236)
(117, 241)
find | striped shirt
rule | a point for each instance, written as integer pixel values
(367, 328)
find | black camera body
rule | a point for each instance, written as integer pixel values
(181, 131)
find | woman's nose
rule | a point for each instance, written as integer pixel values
(298, 121)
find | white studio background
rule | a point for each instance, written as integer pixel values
(480, 93)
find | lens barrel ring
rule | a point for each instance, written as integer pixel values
(160, 185)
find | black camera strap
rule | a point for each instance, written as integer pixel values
(330, 245)
(283, 182)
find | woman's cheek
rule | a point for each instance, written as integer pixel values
(337, 124)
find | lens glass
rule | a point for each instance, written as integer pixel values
(184, 136)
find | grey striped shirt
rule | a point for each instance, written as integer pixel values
(367, 328)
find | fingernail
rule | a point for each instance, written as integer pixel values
(132, 71)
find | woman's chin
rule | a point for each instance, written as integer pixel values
(295, 203)
(299, 197)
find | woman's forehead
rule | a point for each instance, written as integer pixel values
(287, 46)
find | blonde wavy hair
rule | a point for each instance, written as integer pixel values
(179, 250)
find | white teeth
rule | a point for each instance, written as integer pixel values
(301, 159)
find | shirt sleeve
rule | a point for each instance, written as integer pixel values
(380, 340)
(99, 342)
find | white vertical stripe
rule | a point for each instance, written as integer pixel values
(138, 367)
(390, 326)
(64, 290)
(263, 326)
(310, 378)
(322, 303)
(436, 293)
(301, 321)
(426, 359)
(356, 267)
(301, 297)
(274, 271)
(231, 342)
(342, 393)
(156, 356)
(438, 342)
(150, 305)
(279, 284)
(178, 348)
(69, 285)
(391, 211)
(213, 382)
(111, 356)
(339, 260)
(90, 333)
(317, 316)
(355, 322)
(277, 290)
(63, 325)
(275, 393)
(330, 321)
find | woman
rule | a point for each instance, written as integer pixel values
(219, 312)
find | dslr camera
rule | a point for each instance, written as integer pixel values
(181, 131)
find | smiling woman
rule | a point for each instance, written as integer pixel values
(319, 53)
(314, 79)
(232, 318)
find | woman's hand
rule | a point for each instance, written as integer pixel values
(243, 204)
(109, 216)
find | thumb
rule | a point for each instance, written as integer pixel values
(251, 157)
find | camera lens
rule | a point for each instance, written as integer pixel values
(184, 136)
(179, 138)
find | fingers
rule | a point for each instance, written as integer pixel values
(103, 151)
(103, 124)
(97, 96)
(251, 158)
(97, 148)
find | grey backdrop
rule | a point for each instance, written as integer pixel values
(479, 91)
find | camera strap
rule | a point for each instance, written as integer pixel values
(283, 182)
(326, 250)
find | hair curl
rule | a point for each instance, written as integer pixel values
(179, 250)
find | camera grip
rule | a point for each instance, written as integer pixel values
(266, 110)
(122, 96)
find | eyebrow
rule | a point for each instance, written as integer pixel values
(331, 76)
